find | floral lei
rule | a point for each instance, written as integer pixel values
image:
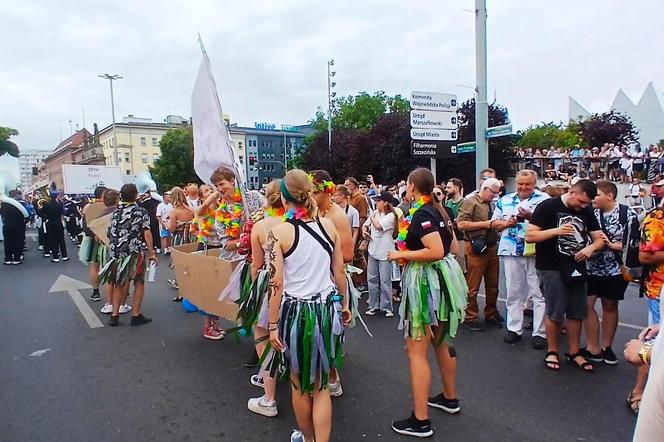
(404, 224)
(274, 213)
(230, 215)
(323, 186)
(295, 213)
(202, 225)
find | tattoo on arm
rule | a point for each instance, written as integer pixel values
(270, 257)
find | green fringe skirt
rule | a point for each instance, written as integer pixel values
(253, 302)
(433, 294)
(312, 332)
(120, 271)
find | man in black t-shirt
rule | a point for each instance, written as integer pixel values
(566, 234)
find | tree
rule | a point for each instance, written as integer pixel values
(175, 167)
(6, 146)
(609, 127)
(500, 149)
(544, 135)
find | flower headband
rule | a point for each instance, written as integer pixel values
(322, 185)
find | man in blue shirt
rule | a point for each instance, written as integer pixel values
(511, 217)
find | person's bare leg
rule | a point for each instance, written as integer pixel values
(573, 341)
(303, 408)
(641, 378)
(118, 292)
(609, 321)
(420, 374)
(269, 383)
(93, 269)
(139, 291)
(334, 376)
(591, 326)
(447, 365)
(552, 331)
(322, 415)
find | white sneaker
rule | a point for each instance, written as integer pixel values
(262, 406)
(55, 260)
(107, 309)
(125, 308)
(257, 381)
(66, 258)
(297, 436)
(40, 248)
(388, 314)
(335, 388)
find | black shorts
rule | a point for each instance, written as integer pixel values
(608, 287)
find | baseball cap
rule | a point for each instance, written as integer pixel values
(659, 183)
(388, 197)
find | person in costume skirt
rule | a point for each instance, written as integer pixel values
(89, 245)
(434, 295)
(178, 222)
(130, 252)
(308, 305)
(254, 308)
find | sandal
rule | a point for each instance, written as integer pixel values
(396, 298)
(634, 403)
(550, 364)
(582, 366)
(178, 299)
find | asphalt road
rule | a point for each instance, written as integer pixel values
(64, 381)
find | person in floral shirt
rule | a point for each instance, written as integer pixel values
(651, 255)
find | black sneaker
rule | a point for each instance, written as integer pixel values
(609, 356)
(499, 317)
(114, 321)
(413, 427)
(493, 322)
(539, 343)
(473, 325)
(95, 296)
(599, 357)
(449, 405)
(140, 320)
(511, 338)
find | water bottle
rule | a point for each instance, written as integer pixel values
(153, 271)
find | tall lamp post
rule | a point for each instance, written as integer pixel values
(110, 78)
(330, 96)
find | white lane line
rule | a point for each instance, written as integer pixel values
(620, 324)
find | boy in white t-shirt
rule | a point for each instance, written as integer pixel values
(163, 211)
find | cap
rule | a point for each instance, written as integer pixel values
(386, 196)
(659, 183)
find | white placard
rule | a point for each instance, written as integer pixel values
(433, 119)
(433, 101)
(84, 179)
(433, 134)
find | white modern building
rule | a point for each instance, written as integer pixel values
(647, 115)
(27, 160)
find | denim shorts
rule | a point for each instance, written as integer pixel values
(164, 233)
(653, 312)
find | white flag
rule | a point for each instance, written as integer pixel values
(212, 144)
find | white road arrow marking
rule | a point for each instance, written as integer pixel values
(72, 286)
(39, 352)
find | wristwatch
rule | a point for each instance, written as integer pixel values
(644, 353)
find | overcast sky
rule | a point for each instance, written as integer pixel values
(269, 58)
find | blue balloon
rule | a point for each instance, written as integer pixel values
(188, 306)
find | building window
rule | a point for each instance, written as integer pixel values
(155, 142)
(127, 157)
(144, 158)
(155, 157)
(239, 144)
(128, 172)
(142, 141)
(241, 158)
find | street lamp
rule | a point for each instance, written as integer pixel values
(110, 78)
(330, 96)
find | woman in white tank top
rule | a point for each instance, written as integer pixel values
(308, 305)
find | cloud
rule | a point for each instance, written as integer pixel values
(269, 58)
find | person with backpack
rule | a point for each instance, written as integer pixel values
(381, 231)
(605, 276)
